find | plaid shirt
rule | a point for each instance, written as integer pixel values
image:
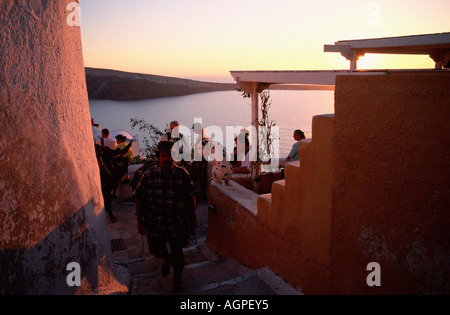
(165, 215)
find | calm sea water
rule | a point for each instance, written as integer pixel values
(290, 110)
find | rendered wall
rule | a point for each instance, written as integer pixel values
(290, 231)
(237, 232)
(391, 195)
(373, 186)
(51, 211)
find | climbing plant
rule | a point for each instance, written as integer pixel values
(266, 137)
(150, 142)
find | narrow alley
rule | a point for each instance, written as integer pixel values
(205, 273)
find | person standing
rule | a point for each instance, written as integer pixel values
(172, 136)
(121, 144)
(166, 211)
(113, 164)
(107, 141)
(179, 147)
(241, 159)
(199, 166)
(106, 178)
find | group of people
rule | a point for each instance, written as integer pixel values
(166, 203)
(166, 193)
(166, 200)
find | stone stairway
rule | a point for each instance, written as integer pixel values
(205, 272)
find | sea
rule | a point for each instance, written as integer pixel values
(289, 110)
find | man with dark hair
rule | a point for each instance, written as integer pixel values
(242, 159)
(165, 208)
(293, 155)
(107, 141)
(179, 148)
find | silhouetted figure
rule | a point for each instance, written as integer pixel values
(165, 208)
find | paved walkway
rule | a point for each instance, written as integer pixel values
(205, 273)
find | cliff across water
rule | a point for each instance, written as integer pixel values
(119, 85)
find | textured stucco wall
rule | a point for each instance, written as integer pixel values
(237, 232)
(373, 186)
(391, 196)
(51, 209)
(290, 232)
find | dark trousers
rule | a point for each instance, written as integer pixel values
(107, 185)
(175, 257)
(199, 175)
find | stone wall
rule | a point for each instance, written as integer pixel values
(51, 210)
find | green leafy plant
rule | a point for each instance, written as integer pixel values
(243, 93)
(150, 142)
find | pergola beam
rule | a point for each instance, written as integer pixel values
(246, 80)
(437, 46)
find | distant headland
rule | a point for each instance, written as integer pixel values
(119, 85)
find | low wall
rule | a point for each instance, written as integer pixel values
(236, 231)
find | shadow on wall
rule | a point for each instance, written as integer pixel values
(43, 268)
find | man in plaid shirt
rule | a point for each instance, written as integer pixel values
(165, 208)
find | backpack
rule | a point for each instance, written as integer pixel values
(112, 163)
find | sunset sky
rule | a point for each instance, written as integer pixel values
(209, 38)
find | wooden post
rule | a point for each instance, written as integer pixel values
(354, 61)
(255, 106)
(255, 123)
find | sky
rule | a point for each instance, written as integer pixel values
(208, 38)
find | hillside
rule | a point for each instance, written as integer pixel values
(119, 85)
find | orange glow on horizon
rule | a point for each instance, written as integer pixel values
(211, 39)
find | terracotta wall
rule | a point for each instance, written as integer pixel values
(51, 211)
(290, 231)
(373, 186)
(237, 232)
(391, 196)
